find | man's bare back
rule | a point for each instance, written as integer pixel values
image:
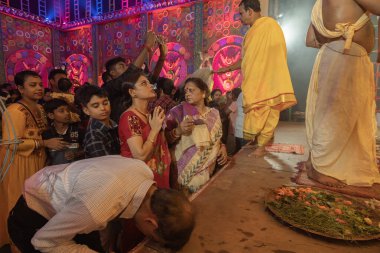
(349, 11)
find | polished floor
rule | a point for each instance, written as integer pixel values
(232, 217)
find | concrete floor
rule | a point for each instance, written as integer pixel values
(231, 215)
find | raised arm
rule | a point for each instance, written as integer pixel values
(148, 47)
(161, 61)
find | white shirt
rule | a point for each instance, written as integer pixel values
(240, 117)
(84, 196)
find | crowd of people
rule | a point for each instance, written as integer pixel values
(136, 147)
(109, 127)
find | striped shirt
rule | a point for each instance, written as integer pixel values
(84, 196)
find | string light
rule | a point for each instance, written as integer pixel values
(143, 8)
(24, 15)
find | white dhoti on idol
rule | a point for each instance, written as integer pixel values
(340, 113)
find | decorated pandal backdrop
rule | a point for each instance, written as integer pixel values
(211, 27)
(25, 46)
(81, 36)
(76, 54)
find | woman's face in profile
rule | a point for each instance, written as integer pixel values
(193, 94)
(144, 89)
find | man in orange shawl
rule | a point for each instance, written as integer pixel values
(267, 87)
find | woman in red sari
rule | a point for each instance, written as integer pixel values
(141, 138)
(140, 133)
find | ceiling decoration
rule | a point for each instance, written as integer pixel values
(66, 14)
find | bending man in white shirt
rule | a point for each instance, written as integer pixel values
(64, 206)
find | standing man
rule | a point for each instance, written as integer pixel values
(267, 87)
(340, 110)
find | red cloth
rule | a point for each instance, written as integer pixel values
(131, 125)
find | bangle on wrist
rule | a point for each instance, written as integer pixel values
(150, 140)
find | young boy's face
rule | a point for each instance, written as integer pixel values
(61, 114)
(98, 108)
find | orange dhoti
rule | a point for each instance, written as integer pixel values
(267, 87)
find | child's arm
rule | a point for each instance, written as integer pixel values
(51, 142)
(71, 155)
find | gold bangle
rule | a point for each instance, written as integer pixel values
(153, 142)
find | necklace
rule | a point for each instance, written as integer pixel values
(146, 115)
